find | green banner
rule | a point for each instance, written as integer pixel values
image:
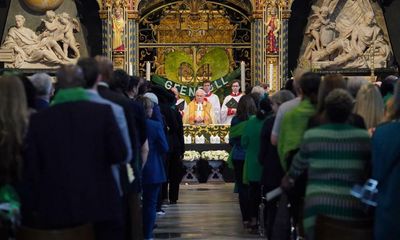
(190, 90)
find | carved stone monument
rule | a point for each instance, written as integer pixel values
(41, 37)
(346, 35)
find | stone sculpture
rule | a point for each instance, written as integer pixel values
(350, 39)
(43, 50)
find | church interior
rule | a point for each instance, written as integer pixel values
(199, 119)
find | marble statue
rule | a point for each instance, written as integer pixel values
(351, 51)
(319, 21)
(31, 48)
(352, 39)
(69, 25)
(61, 28)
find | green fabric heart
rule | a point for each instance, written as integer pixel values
(216, 58)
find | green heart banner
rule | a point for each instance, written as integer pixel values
(190, 90)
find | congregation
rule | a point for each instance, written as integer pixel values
(105, 148)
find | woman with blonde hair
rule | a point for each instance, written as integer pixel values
(369, 105)
(13, 123)
(327, 85)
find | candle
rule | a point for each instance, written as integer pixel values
(148, 66)
(130, 71)
(243, 76)
(271, 73)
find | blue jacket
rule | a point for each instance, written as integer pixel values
(386, 169)
(154, 170)
(239, 153)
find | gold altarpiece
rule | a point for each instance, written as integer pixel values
(251, 31)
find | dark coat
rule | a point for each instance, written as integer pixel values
(268, 156)
(41, 104)
(127, 105)
(67, 177)
(129, 111)
(154, 169)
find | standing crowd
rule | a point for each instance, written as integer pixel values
(298, 154)
(105, 148)
(102, 148)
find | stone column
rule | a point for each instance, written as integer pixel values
(258, 48)
(133, 43)
(285, 46)
(105, 33)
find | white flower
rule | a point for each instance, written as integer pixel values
(191, 156)
(215, 155)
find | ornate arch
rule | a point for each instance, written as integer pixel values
(143, 5)
(184, 34)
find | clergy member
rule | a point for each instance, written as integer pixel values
(229, 106)
(180, 104)
(199, 111)
(213, 99)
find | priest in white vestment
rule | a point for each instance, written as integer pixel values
(213, 99)
(229, 105)
(199, 111)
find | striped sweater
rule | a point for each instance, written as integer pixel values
(336, 156)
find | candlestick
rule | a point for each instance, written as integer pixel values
(271, 73)
(243, 76)
(148, 66)
(130, 71)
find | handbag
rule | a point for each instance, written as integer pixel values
(282, 224)
(368, 193)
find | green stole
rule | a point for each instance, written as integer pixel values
(70, 95)
(293, 126)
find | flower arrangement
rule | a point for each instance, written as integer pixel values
(191, 156)
(215, 155)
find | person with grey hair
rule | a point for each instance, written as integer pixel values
(199, 111)
(272, 172)
(44, 90)
(326, 152)
(260, 91)
(287, 106)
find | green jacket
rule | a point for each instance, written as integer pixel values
(251, 143)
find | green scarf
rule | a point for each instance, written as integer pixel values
(70, 95)
(9, 195)
(235, 131)
(293, 126)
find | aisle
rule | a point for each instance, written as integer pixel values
(204, 211)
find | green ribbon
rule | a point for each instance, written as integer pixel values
(190, 90)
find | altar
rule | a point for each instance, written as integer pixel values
(207, 151)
